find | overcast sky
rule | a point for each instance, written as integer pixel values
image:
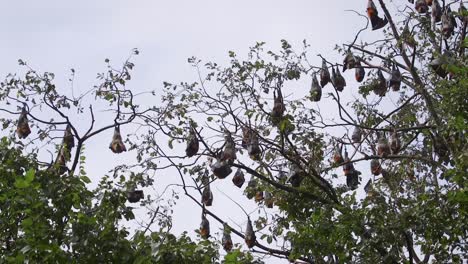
(55, 36)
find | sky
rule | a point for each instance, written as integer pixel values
(56, 36)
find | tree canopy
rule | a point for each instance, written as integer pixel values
(359, 160)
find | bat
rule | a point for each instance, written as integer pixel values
(207, 196)
(380, 85)
(117, 145)
(315, 89)
(268, 199)
(324, 74)
(226, 240)
(421, 6)
(22, 129)
(278, 107)
(359, 72)
(229, 152)
(383, 149)
(135, 196)
(249, 235)
(192, 144)
(375, 167)
(204, 228)
(376, 21)
(395, 144)
(349, 61)
(337, 80)
(436, 11)
(395, 79)
(238, 178)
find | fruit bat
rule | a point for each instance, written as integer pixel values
(68, 139)
(192, 144)
(226, 240)
(221, 169)
(253, 148)
(246, 134)
(238, 178)
(437, 64)
(448, 23)
(269, 200)
(204, 227)
(229, 152)
(395, 79)
(249, 235)
(436, 11)
(251, 190)
(395, 144)
(380, 85)
(135, 196)
(352, 180)
(349, 61)
(337, 156)
(376, 21)
(439, 147)
(259, 196)
(295, 176)
(315, 89)
(117, 145)
(375, 167)
(383, 149)
(324, 74)
(207, 196)
(22, 129)
(359, 72)
(348, 168)
(368, 186)
(421, 6)
(338, 81)
(357, 135)
(59, 165)
(429, 2)
(278, 107)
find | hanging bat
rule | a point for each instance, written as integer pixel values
(269, 200)
(429, 2)
(251, 189)
(348, 168)
(207, 196)
(117, 145)
(437, 64)
(380, 85)
(359, 72)
(296, 176)
(68, 139)
(349, 61)
(375, 167)
(395, 144)
(352, 180)
(448, 23)
(337, 157)
(338, 81)
(192, 144)
(59, 165)
(376, 21)
(315, 89)
(356, 137)
(395, 79)
(436, 11)
(249, 235)
(253, 148)
(324, 74)
(439, 147)
(383, 149)
(421, 6)
(229, 152)
(259, 196)
(278, 107)
(22, 129)
(226, 240)
(246, 133)
(221, 169)
(238, 178)
(204, 228)
(368, 186)
(135, 196)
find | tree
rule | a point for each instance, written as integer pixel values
(402, 141)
